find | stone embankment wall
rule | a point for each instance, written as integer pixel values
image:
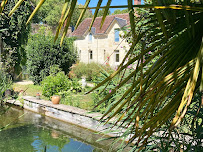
(62, 112)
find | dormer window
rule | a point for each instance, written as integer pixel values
(90, 37)
(116, 35)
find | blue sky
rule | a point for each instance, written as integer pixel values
(93, 3)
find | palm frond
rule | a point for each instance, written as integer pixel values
(61, 21)
(15, 7)
(82, 13)
(132, 17)
(165, 82)
(3, 3)
(35, 10)
(95, 13)
(105, 12)
(68, 16)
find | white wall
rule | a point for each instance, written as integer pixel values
(99, 44)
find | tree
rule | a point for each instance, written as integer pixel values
(50, 13)
(162, 93)
(101, 12)
(42, 53)
(118, 11)
(14, 36)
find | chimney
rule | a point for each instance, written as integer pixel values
(137, 2)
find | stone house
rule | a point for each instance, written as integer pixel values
(102, 45)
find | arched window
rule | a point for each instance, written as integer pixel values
(90, 37)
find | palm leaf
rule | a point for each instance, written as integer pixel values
(35, 10)
(3, 3)
(82, 13)
(15, 7)
(95, 13)
(189, 90)
(61, 21)
(132, 17)
(68, 16)
(105, 12)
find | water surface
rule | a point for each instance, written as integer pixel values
(31, 132)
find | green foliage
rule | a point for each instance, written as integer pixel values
(76, 86)
(90, 71)
(57, 82)
(77, 100)
(118, 11)
(76, 14)
(99, 94)
(42, 53)
(185, 137)
(14, 36)
(50, 13)
(5, 83)
(53, 84)
(54, 69)
(101, 12)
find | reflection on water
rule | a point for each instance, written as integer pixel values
(34, 133)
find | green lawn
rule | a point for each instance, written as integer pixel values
(30, 89)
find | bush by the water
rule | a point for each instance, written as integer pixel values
(53, 84)
(59, 82)
(42, 53)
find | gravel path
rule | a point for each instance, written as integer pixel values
(24, 82)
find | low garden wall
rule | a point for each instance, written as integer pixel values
(62, 112)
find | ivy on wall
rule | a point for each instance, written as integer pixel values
(14, 35)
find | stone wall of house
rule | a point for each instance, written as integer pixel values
(102, 47)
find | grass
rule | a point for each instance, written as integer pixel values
(30, 89)
(79, 100)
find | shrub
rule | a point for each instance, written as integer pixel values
(42, 53)
(90, 71)
(56, 83)
(76, 86)
(53, 84)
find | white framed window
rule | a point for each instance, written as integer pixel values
(117, 56)
(80, 54)
(116, 35)
(90, 54)
(104, 54)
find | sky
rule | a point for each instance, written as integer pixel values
(93, 3)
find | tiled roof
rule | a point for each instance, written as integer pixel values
(123, 19)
